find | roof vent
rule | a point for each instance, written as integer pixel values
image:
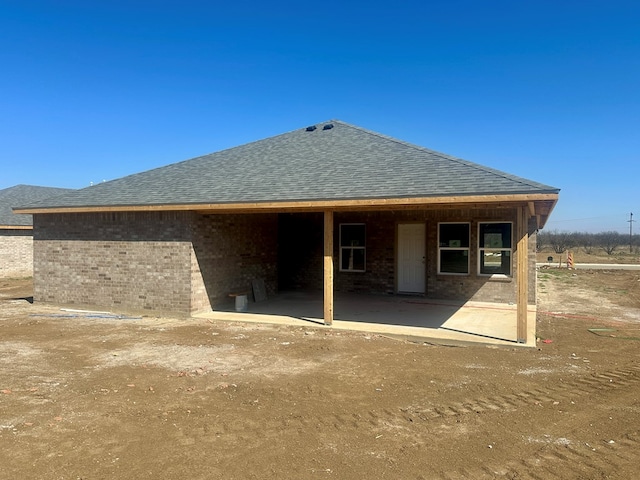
(328, 126)
(311, 128)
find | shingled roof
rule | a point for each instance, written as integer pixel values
(21, 195)
(329, 161)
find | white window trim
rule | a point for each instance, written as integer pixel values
(363, 248)
(485, 249)
(468, 249)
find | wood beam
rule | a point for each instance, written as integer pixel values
(312, 205)
(522, 270)
(328, 267)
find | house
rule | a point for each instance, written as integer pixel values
(16, 231)
(331, 206)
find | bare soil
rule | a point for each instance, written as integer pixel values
(87, 396)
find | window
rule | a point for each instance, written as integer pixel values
(494, 242)
(352, 247)
(453, 248)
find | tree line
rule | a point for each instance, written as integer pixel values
(589, 243)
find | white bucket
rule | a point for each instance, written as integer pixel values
(241, 303)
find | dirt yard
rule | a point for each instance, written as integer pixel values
(95, 397)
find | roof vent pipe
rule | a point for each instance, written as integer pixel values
(328, 126)
(311, 128)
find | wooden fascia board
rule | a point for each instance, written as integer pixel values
(314, 205)
(16, 227)
(544, 216)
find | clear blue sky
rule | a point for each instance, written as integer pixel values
(548, 90)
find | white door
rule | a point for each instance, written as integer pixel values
(411, 257)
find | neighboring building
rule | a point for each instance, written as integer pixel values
(16, 231)
(332, 207)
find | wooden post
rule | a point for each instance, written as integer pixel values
(328, 267)
(522, 279)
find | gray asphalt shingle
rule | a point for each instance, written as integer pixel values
(345, 162)
(20, 195)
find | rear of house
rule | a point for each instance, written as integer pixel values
(331, 208)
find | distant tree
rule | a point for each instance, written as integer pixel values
(575, 240)
(541, 241)
(610, 241)
(586, 241)
(560, 242)
(635, 243)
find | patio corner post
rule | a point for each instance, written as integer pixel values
(328, 267)
(522, 279)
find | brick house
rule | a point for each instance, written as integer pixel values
(16, 231)
(332, 207)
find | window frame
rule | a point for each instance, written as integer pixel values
(343, 248)
(483, 249)
(457, 248)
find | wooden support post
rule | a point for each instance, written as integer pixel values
(328, 267)
(522, 279)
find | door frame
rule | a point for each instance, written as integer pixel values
(397, 259)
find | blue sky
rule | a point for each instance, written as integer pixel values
(548, 90)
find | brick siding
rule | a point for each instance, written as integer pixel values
(16, 253)
(132, 261)
(381, 270)
(230, 252)
(178, 262)
(183, 262)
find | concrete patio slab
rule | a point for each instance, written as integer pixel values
(436, 321)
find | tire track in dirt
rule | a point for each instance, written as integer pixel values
(587, 385)
(416, 421)
(600, 383)
(583, 460)
(544, 462)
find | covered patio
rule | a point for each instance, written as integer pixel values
(412, 318)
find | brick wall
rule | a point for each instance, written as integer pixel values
(185, 262)
(132, 261)
(230, 252)
(380, 254)
(380, 275)
(158, 261)
(16, 253)
(472, 286)
(200, 301)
